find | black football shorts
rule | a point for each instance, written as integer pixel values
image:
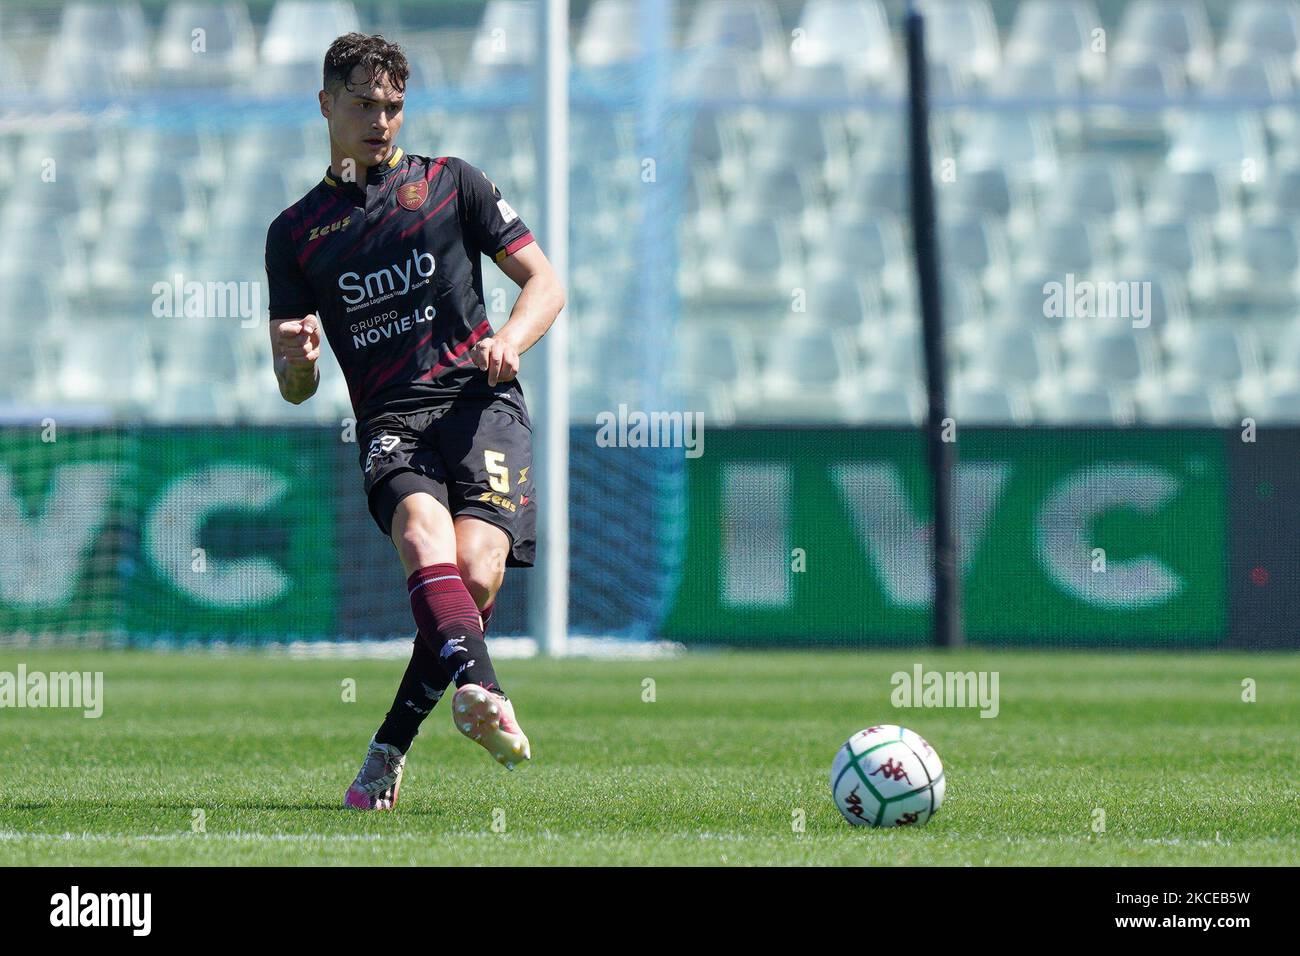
(473, 455)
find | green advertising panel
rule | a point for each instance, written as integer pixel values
(211, 533)
(1079, 536)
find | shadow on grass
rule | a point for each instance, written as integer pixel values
(206, 805)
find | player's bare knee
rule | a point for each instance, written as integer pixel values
(421, 535)
(416, 545)
(482, 570)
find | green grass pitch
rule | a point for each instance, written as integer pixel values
(735, 748)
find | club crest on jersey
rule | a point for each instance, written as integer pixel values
(412, 195)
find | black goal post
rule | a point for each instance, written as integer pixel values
(940, 434)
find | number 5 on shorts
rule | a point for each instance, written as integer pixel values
(498, 473)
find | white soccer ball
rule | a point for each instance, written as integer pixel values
(887, 776)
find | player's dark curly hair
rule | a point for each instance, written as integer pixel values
(375, 55)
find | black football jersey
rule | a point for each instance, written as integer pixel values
(393, 270)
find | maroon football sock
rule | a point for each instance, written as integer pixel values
(448, 620)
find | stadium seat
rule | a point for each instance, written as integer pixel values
(1109, 354)
(1092, 186)
(88, 153)
(1284, 365)
(1067, 244)
(142, 246)
(964, 314)
(877, 188)
(880, 137)
(979, 400)
(894, 353)
(207, 349)
(1173, 28)
(883, 402)
(1257, 75)
(228, 48)
(1221, 141)
(1271, 403)
(1058, 78)
(188, 402)
(37, 301)
(717, 353)
(1057, 31)
(1261, 28)
(749, 25)
(1208, 353)
(1064, 403)
(963, 33)
(1260, 269)
(100, 48)
(1203, 193)
(12, 80)
(986, 192)
(49, 249)
(610, 35)
(853, 34)
(1012, 354)
(500, 142)
(106, 361)
(25, 374)
(1023, 303)
(194, 148)
(783, 191)
(805, 138)
(1018, 142)
(68, 200)
(977, 246)
(843, 302)
(1178, 246)
(299, 31)
(1175, 403)
(505, 43)
(169, 189)
(1138, 76)
(756, 260)
(597, 136)
(877, 247)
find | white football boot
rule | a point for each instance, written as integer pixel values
(489, 719)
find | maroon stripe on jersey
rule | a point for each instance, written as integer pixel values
(394, 211)
(385, 374)
(373, 230)
(517, 244)
(419, 225)
(484, 328)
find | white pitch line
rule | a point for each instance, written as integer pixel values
(13, 836)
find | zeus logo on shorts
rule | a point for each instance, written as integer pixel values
(380, 445)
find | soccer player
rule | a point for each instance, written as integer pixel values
(384, 257)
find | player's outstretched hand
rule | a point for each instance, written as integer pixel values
(299, 341)
(499, 359)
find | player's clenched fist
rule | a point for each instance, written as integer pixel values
(496, 357)
(298, 341)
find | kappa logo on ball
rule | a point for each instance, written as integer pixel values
(412, 195)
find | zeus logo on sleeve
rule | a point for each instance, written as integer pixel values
(397, 279)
